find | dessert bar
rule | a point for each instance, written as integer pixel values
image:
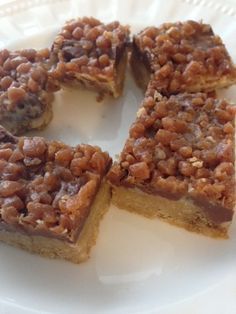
(25, 90)
(92, 54)
(52, 196)
(181, 57)
(178, 162)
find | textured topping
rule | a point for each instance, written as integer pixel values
(49, 186)
(24, 84)
(178, 54)
(179, 145)
(86, 45)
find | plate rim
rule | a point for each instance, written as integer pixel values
(15, 6)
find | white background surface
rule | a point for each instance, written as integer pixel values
(138, 265)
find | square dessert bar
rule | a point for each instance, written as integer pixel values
(92, 54)
(52, 196)
(178, 163)
(25, 90)
(181, 57)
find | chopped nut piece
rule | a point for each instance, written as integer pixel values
(193, 159)
(159, 153)
(140, 170)
(197, 164)
(157, 96)
(140, 112)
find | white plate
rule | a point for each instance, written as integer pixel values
(138, 265)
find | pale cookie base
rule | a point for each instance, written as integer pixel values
(101, 83)
(54, 248)
(182, 213)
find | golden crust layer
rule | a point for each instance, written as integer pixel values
(55, 248)
(182, 213)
